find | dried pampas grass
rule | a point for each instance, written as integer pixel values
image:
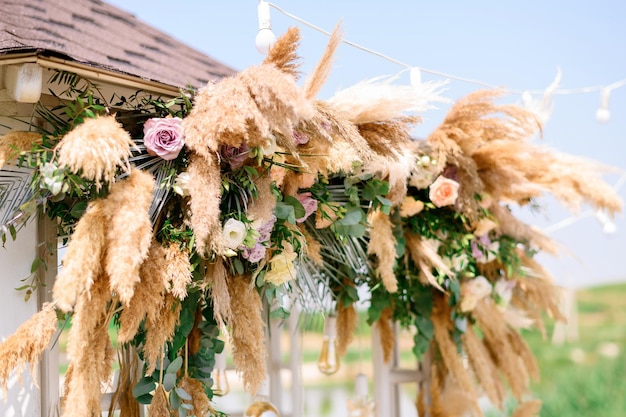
(483, 367)
(382, 244)
(387, 335)
(199, 400)
(96, 148)
(378, 100)
(27, 344)
(247, 331)
(509, 225)
(425, 256)
(178, 270)
(148, 295)
(320, 74)
(283, 54)
(160, 330)
(128, 231)
(217, 278)
(82, 262)
(347, 321)
(529, 408)
(160, 406)
(204, 190)
(13, 143)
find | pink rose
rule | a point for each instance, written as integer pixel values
(309, 204)
(164, 137)
(235, 156)
(444, 191)
(254, 254)
(300, 138)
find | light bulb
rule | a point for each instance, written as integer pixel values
(415, 77)
(221, 386)
(608, 226)
(603, 114)
(265, 38)
(261, 405)
(328, 362)
(360, 405)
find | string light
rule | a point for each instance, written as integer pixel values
(603, 114)
(583, 90)
(265, 38)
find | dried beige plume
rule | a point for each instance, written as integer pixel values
(199, 400)
(27, 344)
(378, 100)
(13, 143)
(387, 335)
(320, 74)
(217, 278)
(178, 270)
(382, 244)
(96, 148)
(160, 330)
(510, 225)
(483, 366)
(347, 321)
(160, 406)
(128, 231)
(82, 262)
(283, 54)
(148, 295)
(247, 331)
(205, 193)
(424, 255)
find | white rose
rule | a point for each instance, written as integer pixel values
(233, 233)
(504, 289)
(474, 290)
(181, 184)
(269, 145)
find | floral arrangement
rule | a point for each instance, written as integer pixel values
(186, 217)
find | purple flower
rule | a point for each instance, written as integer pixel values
(265, 230)
(164, 137)
(300, 138)
(235, 156)
(309, 204)
(254, 254)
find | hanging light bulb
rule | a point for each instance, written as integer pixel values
(328, 362)
(360, 405)
(608, 226)
(265, 38)
(221, 386)
(415, 77)
(261, 405)
(603, 114)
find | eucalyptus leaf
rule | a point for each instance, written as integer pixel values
(174, 366)
(184, 395)
(145, 385)
(169, 381)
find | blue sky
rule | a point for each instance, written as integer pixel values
(517, 45)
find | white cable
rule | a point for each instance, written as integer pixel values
(582, 90)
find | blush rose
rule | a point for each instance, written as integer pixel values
(164, 137)
(444, 191)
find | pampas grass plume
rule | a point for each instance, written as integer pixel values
(13, 143)
(178, 270)
(382, 243)
(96, 148)
(27, 344)
(283, 54)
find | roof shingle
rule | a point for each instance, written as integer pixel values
(97, 34)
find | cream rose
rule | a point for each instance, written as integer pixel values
(233, 233)
(472, 291)
(444, 191)
(181, 184)
(281, 268)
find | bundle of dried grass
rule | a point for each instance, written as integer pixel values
(261, 209)
(82, 262)
(347, 321)
(283, 54)
(519, 171)
(13, 143)
(128, 231)
(160, 406)
(123, 398)
(512, 226)
(90, 350)
(217, 279)
(160, 330)
(378, 100)
(387, 335)
(27, 344)
(247, 331)
(199, 400)
(320, 74)
(483, 367)
(95, 149)
(204, 192)
(506, 356)
(148, 296)
(178, 270)
(425, 256)
(382, 244)
(447, 348)
(313, 248)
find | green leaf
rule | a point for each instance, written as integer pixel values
(78, 209)
(353, 216)
(280, 313)
(145, 386)
(175, 401)
(174, 366)
(184, 395)
(297, 206)
(145, 399)
(284, 212)
(169, 381)
(425, 326)
(238, 266)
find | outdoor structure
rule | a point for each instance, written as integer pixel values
(199, 216)
(118, 53)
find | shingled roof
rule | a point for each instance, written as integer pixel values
(99, 35)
